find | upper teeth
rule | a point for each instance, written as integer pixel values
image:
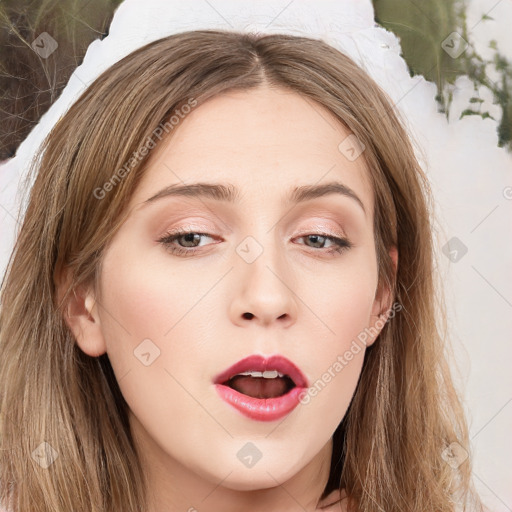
(268, 374)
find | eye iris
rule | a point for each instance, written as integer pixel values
(191, 237)
(317, 237)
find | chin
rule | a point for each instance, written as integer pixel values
(246, 480)
(264, 474)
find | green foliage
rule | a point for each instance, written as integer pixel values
(422, 27)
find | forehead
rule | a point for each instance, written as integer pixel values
(263, 141)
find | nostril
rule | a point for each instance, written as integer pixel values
(248, 316)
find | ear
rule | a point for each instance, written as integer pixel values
(80, 312)
(382, 303)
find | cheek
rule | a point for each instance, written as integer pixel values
(153, 306)
(152, 324)
(344, 305)
(350, 311)
(342, 298)
(145, 296)
(338, 359)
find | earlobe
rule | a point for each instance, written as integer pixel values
(382, 303)
(81, 316)
(386, 298)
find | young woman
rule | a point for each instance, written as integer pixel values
(222, 296)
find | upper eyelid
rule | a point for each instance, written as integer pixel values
(313, 213)
(317, 227)
(206, 232)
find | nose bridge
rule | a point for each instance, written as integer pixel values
(265, 284)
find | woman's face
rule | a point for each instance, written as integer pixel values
(260, 277)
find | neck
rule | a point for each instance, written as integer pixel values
(174, 487)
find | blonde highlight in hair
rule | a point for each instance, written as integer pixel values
(387, 451)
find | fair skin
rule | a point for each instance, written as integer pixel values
(306, 303)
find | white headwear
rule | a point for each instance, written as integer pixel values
(345, 24)
(464, 163)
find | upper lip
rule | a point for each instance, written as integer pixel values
(260, 363)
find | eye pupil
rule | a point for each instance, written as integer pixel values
(316, 237)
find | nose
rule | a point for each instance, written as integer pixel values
(264, 291)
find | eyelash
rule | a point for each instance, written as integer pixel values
(341, 244)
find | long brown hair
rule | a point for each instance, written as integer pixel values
(390, 450)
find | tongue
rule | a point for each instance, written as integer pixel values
(259, 387)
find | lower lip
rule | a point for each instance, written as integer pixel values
(261, 409)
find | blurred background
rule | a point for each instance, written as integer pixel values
(30, 82)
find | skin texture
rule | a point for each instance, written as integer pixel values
(306, 303)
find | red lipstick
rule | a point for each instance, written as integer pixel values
(259, 376)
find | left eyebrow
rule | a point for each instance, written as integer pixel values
(229, 193)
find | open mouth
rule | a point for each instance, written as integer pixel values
(272, 385)
(262, 388)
